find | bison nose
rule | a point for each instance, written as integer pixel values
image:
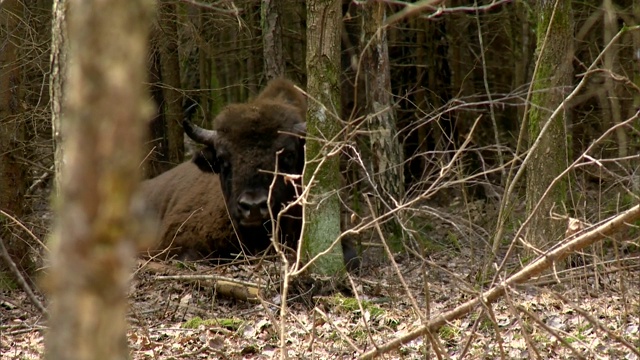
(253, 208)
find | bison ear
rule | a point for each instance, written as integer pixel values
(285, 91)
(206, 160)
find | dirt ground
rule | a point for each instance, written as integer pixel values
(592, 313)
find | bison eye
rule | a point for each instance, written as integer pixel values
(287, 161)
(225, 165)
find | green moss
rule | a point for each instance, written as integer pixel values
(351, 305)
(452, 238)
(7, 282)
(359, 335)
(486, 324)
(194, 323)
(448, 333)
(185, 265)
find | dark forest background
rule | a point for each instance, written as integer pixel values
(489, 143)
(451, 65)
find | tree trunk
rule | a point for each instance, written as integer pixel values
(13, 171)
(155, 162)
(272, 39)
(92, 247)
(383, 153)
(427, 75)
(56, 82)
(322, 172)
(553, 77)
(611, 108)
(635, 38)
(461, 61)
(170, 70)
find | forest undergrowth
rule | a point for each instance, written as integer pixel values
(588, 311)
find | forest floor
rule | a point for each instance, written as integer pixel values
(188, 320)
(590, 312)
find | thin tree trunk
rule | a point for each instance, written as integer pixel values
(612, 104)
(520, 44)
(210, 100)
(92, 248)
(272, 39)
(57, 81)
(170, 64)
(427, 70)
(156, 162)
(322, 208)
(635, 38)
(384, 150)
(461, 63)
(553, 77)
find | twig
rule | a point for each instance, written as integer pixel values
(17, 222)
(40, 179)
(354, 288)
(511, 185)
(412, 299)
(489, 296)
(524, 329)
(21, 280)
(551, 331)
(432, 5)
(598, 324)
(205, 278)
(337, 329)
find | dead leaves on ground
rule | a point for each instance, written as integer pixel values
(174, 319)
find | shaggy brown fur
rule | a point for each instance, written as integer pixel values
(235, 169)
(189, 201)
(193, 220)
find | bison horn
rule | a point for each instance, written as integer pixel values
(300, 128)
(198, 134)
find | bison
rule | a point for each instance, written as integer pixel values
(220, 202)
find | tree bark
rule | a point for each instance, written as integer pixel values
(635, 38)
(322, 172)
(272, 39)
(170, 70)
(56, 82)
(552, 79)
(383, 153)
(92, 247)
(611, 108)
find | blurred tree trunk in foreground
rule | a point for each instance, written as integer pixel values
(93, 246)
(549, 158)
(13, 170)
(322, 173)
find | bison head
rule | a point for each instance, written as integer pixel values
(244, 146)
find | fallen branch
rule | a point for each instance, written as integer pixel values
(489, 296)
(4, 254)
(237, 289)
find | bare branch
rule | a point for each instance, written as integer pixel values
(489, 296)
